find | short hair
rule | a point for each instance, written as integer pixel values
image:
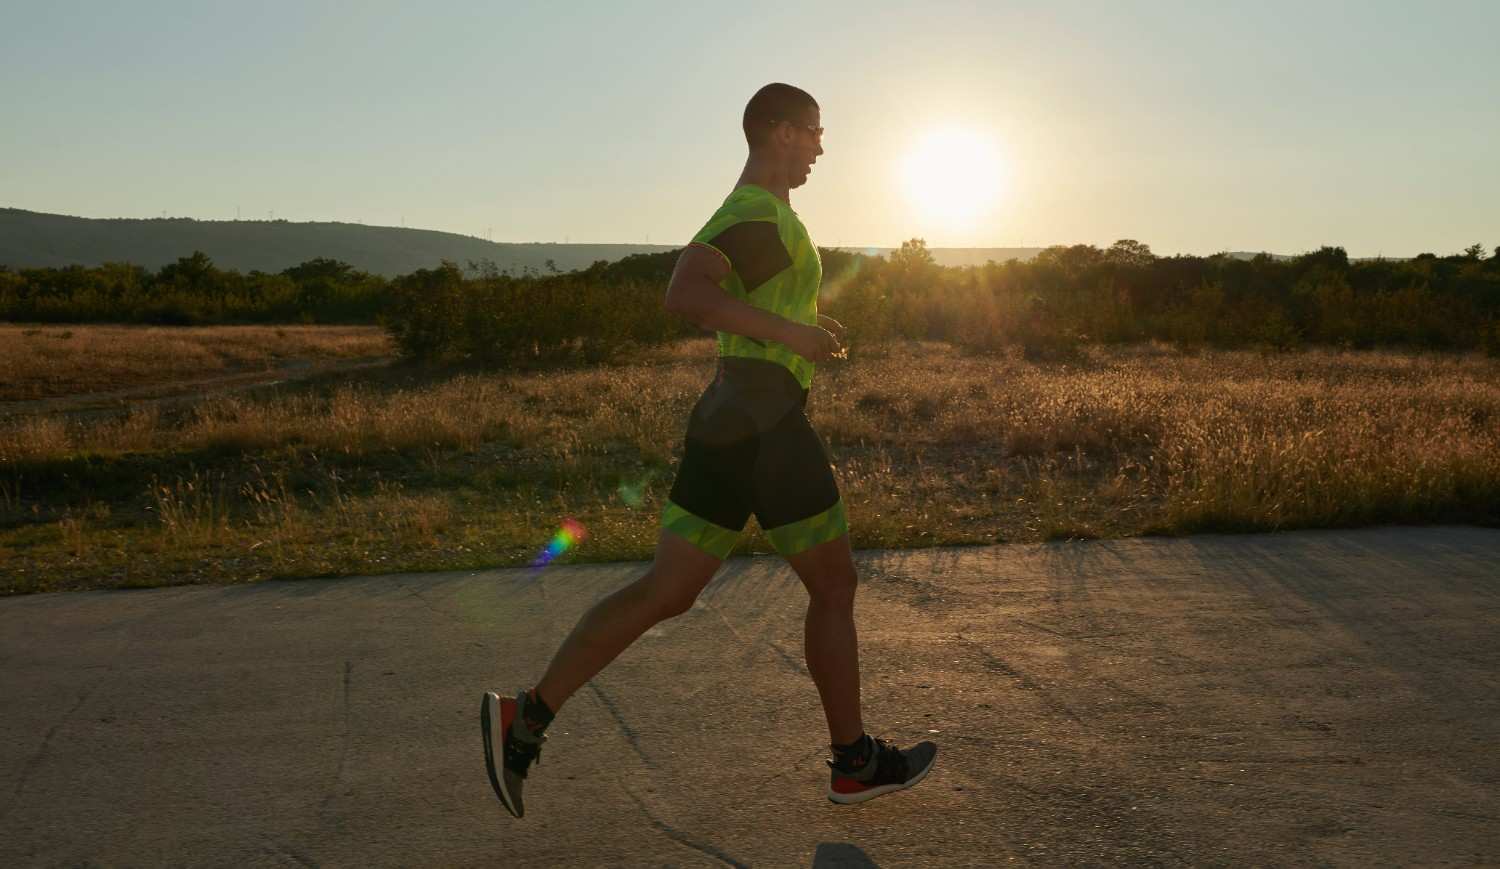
(774, 102)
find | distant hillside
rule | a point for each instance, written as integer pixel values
(30, 239)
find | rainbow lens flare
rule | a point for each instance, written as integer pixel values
(569, 535)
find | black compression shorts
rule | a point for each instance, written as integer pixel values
(750, 449)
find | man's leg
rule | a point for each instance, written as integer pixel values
(830, 642)
(678, 573)
(514, 730)
(863, 767)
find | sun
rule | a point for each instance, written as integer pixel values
(953, 176)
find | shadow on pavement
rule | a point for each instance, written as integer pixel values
(841, 855)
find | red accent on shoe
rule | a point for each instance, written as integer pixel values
(507, 715)
(847, 785)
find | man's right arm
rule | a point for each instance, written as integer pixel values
(695, 295)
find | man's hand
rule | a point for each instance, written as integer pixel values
(813, 343)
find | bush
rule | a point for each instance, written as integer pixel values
(1047, 308)
(192, 290)
(440, 315)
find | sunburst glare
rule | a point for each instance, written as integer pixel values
(954, 176)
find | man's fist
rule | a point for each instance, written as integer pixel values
(833, 326)
(814, 343)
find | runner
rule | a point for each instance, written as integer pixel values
(752, 274)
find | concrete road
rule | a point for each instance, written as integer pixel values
(1317, 698)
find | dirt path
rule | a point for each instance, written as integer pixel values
(187, 390)
(1311, 698)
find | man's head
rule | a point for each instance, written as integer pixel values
(783, 125)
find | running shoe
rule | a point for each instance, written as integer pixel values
(890, 769)
(503, 739)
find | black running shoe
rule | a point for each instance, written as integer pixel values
(512, 743)
(890, 769)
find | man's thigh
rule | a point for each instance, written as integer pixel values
(680, 569)
(827, 569)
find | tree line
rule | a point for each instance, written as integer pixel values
(1070, 295)
(1063, 298)
(193, 291)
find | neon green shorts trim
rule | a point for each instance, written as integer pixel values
(801, 536)
(716, 540)
(789, 539)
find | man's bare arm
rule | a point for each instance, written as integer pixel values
(695, 295)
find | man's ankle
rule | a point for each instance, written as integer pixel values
(536, 713)
(855, 755)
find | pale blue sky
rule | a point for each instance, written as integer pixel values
(1192, 126)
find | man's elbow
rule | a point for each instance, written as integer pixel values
(677, 302)
(672, 302)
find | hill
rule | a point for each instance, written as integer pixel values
(30, 239)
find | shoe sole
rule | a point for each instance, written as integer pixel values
(490, 711)
(872, 793)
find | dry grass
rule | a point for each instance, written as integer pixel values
(557, 414)
(1149, 439)
(930, 446)
(51, 361)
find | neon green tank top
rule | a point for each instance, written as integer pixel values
(773, 265)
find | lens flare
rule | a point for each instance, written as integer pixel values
(569, 535)
(633, 492)
(833, 284)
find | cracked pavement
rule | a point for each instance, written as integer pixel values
(1316, 698)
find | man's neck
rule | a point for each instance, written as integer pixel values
(762, 174)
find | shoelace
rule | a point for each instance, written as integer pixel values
(892, 763)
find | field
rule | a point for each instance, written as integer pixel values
(72, 361)
(393, 467)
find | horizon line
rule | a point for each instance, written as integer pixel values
(837, 246)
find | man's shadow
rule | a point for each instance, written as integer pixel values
(841, 855)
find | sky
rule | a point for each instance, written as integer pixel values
(1194, 127)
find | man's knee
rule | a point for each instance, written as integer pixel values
(833, 586)
(668, 598)
(677, 604)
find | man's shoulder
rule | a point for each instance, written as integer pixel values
(745, 206)
(751, 203)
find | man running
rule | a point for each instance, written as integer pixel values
(752, 274)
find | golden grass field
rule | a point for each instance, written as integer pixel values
(54, 361)
(404, 469)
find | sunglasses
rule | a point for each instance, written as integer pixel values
(815, 130)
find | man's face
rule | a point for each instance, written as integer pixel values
(806, 145)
